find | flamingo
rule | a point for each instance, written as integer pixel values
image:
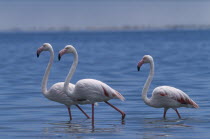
(56, 93)
(89, 91)
(164, 96)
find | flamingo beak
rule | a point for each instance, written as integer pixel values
(39, 50)
(37, 54)
(140, 64)
(138, 68)
(62, 52)
(59, 57)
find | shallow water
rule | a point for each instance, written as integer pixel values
(181, 60)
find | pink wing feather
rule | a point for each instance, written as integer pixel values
(111, 93)
(175, 94)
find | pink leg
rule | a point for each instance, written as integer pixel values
(164, 115)
(178, 113)
(123, 114)
(92, 115)
(69, 110)
(82, 111)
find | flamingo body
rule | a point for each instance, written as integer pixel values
(91, 91)
(170, 97)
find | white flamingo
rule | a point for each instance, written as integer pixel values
(56, 93)
(164, 96)
(89, 91)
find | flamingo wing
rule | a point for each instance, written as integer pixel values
(95, 91)
(174, 94)
(111, 93)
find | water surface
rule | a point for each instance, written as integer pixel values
(181, 60)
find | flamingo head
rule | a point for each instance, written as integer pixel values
(67, 49)
(145, 59)
(44, 47)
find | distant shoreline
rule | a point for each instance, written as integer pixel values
(113, 29)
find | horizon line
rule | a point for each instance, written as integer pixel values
(110, 28)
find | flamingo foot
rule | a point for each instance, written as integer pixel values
(122, 113)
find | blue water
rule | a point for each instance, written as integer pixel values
(182, 60)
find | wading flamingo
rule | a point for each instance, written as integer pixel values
(89, 91)
(56, 93)
(164, 96)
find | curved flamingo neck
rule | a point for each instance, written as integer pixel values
(71, 73)
(47, 72)
(147, 84)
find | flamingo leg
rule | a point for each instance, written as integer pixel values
(69, 110)
(177, 113)
(82, 111)
(164, 114)
(92, 115)
(123, 114)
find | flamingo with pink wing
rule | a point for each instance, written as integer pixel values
(88, 91)
(164, 96)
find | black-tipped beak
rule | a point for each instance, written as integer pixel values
(37, 54)
(62, 52)
(140, 64)
(59, 57)
(39, 50)
(138, 68)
